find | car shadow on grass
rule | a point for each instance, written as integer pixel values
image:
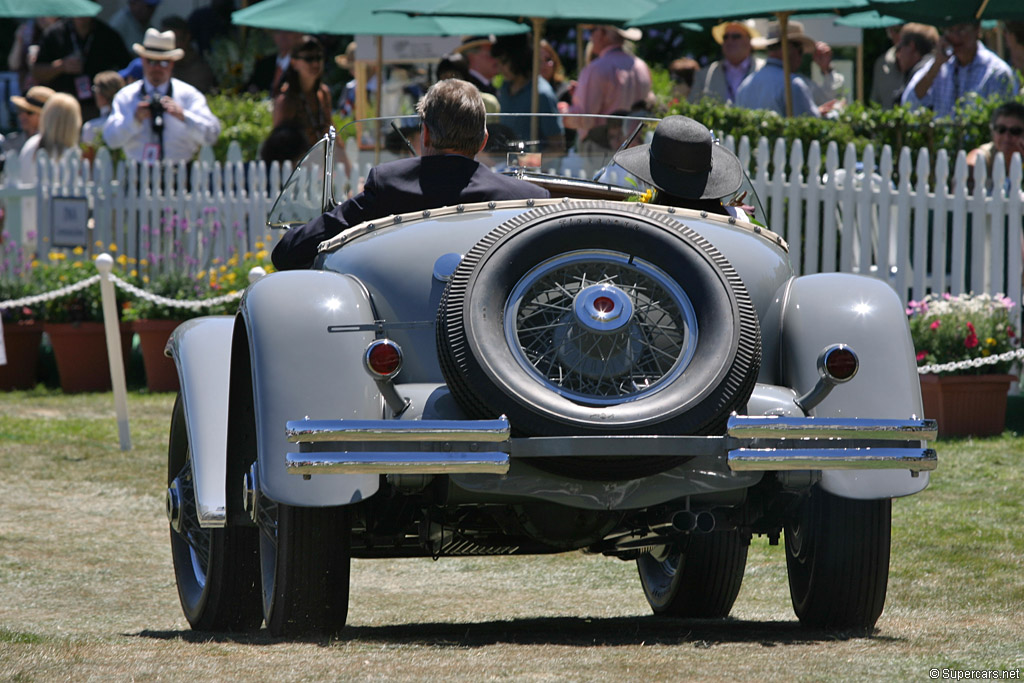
(572, 631)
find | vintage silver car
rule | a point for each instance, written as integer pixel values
(587, 372)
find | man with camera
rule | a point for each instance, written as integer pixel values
(160, 117)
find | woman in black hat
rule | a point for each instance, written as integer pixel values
(686, 166)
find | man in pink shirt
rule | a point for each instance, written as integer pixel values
(615, 80)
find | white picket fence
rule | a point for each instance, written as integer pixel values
(919, 235)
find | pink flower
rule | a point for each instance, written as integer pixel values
(972, 338)
(921, 355)
(935, 324)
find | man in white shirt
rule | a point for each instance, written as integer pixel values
(160, 117)
(721, 79)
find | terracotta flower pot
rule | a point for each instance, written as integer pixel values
(966, 405)
(21, 342)
(161, 374)
(81, 353)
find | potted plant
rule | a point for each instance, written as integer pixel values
(967, 334)
(74, 323)
(22, 334)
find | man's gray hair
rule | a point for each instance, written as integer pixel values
(453, 112)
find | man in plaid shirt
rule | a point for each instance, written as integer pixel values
(961, 65)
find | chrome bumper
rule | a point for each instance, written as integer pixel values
(485, 446)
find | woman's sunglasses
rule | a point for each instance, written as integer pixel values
(1015, 131)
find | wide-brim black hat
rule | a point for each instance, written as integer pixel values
(683, 159)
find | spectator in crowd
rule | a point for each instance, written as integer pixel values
(483, 67)
(72, 53)
(160, 117)
(686, 166)
(721, 79)
(132, 72)
(515, 59)
(132, 20)
(104, 86)
(765, 89)
(683, 72)
(615, 79)
(1007, 126)
(191, 68)
(827, 92)
(268, 72)
(454, 131)
(961, 65)
(453, 65)
(304, 101)
(1014, 32)
(916, 42)
(886, 76)
(553, 72)
(25, 48)
(29, 107)
(211, 22)
(60, 125)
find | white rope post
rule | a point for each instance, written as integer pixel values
(104, 263)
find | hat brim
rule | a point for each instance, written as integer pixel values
(170, 55)
(23, 104)
(724, 178)
(718, 31)
(806, 42)
(472, 45)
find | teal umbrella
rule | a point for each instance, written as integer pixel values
(942, 12)
(869, 19)
(350, 17)
(48, 8)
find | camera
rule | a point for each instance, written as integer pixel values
(156, 110)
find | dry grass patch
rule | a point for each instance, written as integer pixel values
(88, 589)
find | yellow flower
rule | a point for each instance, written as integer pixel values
(259, 245)
(143, 262)
(990, 342)
(61, 256)
(122, 260)
(78, 251)
(113, 247)
(35, 263)
(233, 261)
(134, 273)
(229, 278)
(201, 275)
(145, 279)
(985, 352)
(261, 254)
(53, 256)
(99, 244)
(223, 269)
(78, 264)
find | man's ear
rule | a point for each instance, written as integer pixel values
(425, 137)
(484, 143)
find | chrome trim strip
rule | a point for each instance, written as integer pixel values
(397, 463)
(317, 431)
(767, 459)
(780, 427)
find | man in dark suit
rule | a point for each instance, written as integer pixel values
(454, 131)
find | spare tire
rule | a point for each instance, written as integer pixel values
(597, 318)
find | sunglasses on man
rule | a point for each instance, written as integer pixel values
(164, 63)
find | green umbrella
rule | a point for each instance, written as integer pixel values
(48, 8)
(957, 11)
(350, 17)
(869, 19)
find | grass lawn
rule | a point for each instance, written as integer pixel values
(88, 590)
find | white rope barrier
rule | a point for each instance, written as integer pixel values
(972, 363)
(51, 295)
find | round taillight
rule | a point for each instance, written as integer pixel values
(840, 363)
(384, 358)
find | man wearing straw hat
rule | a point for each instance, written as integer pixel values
(721, 79)
(29, 107)
(160, 117)
(766, 89)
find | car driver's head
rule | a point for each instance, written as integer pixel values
(454, 118)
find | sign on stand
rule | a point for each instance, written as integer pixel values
(69, 222)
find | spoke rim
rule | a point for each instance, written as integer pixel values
(588, 366)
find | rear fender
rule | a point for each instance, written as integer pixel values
(300, 369)
(866, 314)
(201, 349)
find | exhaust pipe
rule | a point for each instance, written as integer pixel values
(686, 521)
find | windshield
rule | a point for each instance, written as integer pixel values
(534, 144)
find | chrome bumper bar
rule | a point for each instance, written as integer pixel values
(485, 446)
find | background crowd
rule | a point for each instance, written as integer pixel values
(142, 89)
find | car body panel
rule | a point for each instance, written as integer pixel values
(867, 315)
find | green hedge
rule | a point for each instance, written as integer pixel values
(857, 123)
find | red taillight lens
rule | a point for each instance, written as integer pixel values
(841, 363)
(384, 358)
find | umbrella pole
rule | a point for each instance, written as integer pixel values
(860, 71)
(380, 98)
(538, 31)
(787, 68)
